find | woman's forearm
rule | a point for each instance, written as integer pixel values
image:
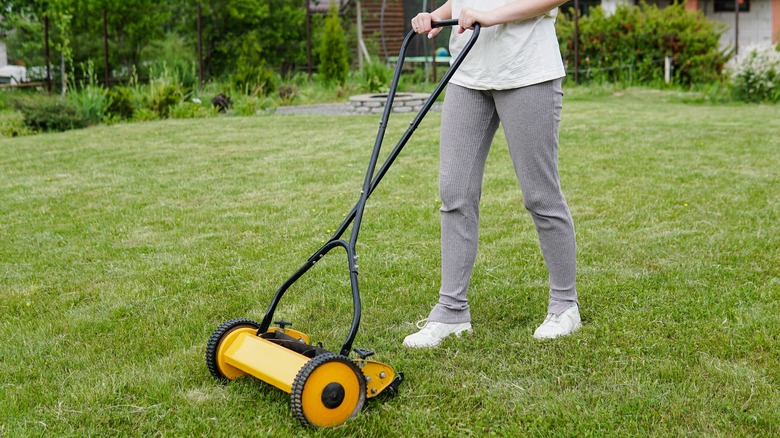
(443, 12)
(516, 11)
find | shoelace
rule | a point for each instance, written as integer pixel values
(422, 323)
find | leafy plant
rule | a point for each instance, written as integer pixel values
(250, 105)
(254, 80)
(287, 93)
(334, 57)
(12, 124)
(121, 103)
(145, 115)
(376, 76)
(90, 97)
(174, 56)
(191, 110)
(755, 75)
(49, 113)
(630, 45)
(165, 98)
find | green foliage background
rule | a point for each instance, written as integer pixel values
(630, 45)
(334, 58)
(146, 33)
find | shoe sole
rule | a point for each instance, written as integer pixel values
(543, 338)
(468, 331)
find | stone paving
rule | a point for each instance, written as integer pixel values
(343, 109)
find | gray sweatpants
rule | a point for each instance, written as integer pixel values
(530, 117)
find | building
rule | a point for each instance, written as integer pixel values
(759, 20)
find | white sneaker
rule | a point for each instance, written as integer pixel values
(432, 333)
(564, 324)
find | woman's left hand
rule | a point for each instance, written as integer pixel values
(469, 16)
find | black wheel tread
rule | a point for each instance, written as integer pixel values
(216, 338)
(296, 404)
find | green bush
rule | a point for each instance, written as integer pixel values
(250, 105)
(287, 93)
(12, 124)
(191, 110)
(120, 103)
(49, 113)
(164, 98)
(91, 102)
(91, 98)
(376, 77)
(144, 115)
(252, 80)
(630, 45)
(172, 55)
(755, 75)
(334, 57)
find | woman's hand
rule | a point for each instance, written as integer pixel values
(469, 16)
(422, 24)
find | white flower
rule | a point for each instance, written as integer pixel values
(756, 72)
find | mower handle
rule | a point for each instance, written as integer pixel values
(372, 179)
(443, 23)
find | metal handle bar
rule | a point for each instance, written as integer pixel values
(371, 181)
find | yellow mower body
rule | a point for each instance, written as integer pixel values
(325, 390)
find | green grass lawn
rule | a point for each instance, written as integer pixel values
(123, 247)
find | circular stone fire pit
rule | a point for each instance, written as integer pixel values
(375, 103)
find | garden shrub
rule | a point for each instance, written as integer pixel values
(250, 105)
(191, 110)
(12, 124)
(376, 76)
(49, 113)
(164, 98)
(253, 80)
(121, 103)
(631, 44)
(91, 102)
(334, 57)
(90, 97)
(755, 75)
(287, 93)
(144, 115)
(252, 75)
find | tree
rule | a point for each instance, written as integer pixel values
(29, 19)
(76, 29)
(242, 34)
(131, 26)
(334, 57)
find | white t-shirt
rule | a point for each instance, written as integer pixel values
(510, 55)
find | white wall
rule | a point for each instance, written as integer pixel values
(609, 6)
(755, 27)
(3, 54)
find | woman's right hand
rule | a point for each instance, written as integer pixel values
(422, 24)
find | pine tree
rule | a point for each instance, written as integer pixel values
(334, 57)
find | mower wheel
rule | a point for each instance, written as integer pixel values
(328, 390)
(218, 343)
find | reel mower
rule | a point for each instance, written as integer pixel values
(326, 388)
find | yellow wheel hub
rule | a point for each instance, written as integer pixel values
(328, 391)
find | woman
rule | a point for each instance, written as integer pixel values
(512, 76)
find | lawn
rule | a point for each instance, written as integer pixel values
(123, 247)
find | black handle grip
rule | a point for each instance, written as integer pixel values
(443, 23)
(450, 22)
